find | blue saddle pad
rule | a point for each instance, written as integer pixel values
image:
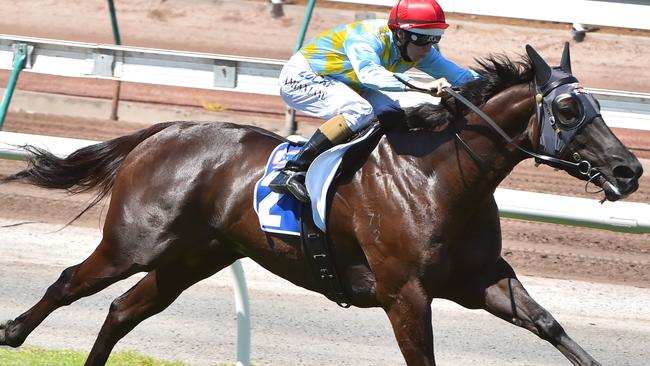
(278, 213)
(281, 213)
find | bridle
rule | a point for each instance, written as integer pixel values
(556, 130)
(560, 137)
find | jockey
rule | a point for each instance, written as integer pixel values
(340, 74)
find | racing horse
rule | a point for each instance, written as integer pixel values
(416, 220)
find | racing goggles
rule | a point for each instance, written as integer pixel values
(422, 39)
(563, 110)
(573, 109)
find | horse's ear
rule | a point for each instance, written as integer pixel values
(542, 70)
(565, 64)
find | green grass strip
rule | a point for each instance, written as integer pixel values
(32, 356)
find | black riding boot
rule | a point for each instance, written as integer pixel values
(291, 179)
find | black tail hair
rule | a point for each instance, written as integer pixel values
(90, 168)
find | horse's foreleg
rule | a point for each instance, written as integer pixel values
(92, 275)
(151, 295)
(501, 293)
(410, 316)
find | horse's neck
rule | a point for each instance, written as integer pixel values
(514, 111)
(438, 163)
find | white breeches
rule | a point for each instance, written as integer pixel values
(325, 97)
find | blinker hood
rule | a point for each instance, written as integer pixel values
(554, 83)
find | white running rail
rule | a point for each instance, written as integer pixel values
(631, 217)
(632, 14)
(228, 73)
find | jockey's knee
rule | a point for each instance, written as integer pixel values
(359, 117)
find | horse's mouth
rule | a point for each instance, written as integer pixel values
(613, 192)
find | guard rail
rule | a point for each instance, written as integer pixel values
(613, 13)
(225, 72)
(632, 217)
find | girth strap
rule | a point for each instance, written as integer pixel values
(314, 245)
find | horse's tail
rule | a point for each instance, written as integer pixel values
(90, 168)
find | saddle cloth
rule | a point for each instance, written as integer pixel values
(280, 213)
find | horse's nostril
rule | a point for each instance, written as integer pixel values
(625, 172)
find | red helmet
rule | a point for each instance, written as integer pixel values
(418, 16)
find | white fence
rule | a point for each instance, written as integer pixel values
(612, 13)
(630, 217)
(144, 65)
(224, 72)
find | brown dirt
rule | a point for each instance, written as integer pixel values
(610, 59)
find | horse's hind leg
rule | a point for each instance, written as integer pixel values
(98, 271)
(499, 291)
(151, 295)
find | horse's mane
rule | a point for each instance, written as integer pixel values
(498, 72)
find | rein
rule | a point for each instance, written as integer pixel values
(579, 166)
(583, 166)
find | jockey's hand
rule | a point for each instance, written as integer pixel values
(434, 87)
(437, 85)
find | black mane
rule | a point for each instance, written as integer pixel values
(498, 72)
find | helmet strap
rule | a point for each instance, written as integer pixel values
(401, 44)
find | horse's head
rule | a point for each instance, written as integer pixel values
(572, 132)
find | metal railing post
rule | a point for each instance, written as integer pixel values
(118, 41)
(242, 308)
(305, 25)
(290, 122)
(290, 125)
(20, 58)
(116, 29)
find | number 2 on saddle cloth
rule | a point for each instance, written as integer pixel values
(281, 214)
(277, 213)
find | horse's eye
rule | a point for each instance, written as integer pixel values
(567, 110)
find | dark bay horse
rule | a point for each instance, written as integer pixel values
(416, 221)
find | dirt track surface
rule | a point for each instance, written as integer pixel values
(608, 59)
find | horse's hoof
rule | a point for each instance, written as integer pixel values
(3, 334)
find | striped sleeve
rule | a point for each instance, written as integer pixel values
(364, 56)
(437, 66)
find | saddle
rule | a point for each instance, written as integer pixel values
(283, 214)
